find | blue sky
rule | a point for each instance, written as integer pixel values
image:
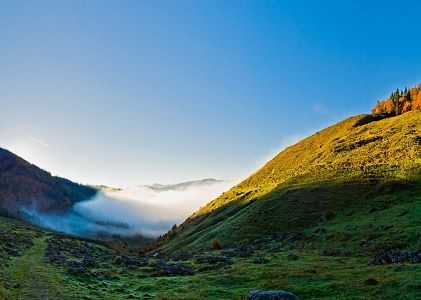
(134, 92)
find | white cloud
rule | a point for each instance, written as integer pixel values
(320, 109)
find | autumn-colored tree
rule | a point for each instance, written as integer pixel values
(406, 107)
(216, 245)
(390, 107)
(413, 92)
(416, 103)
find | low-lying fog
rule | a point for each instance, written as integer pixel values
(146, 210)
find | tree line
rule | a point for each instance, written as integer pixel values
(399, 102)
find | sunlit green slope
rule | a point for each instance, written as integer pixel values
(348, 168)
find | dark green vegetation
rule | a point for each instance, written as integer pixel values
(336, 216)
(23, 185)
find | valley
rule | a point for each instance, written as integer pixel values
(301, 223)
(189, 150)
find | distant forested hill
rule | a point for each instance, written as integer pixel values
(24, 185)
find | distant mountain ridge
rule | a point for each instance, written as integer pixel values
(182, 185)
(24, 185)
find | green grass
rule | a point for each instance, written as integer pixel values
(32, 278)
(312, 276)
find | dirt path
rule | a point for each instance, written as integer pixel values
(32, 278)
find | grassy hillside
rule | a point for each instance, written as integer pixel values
(360, 164)
(40, 264)
(336, 216)
(23, 184)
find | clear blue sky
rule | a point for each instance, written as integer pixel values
(133, 92)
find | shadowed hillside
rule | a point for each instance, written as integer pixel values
(362, 163)
(23, 185)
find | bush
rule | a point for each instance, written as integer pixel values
(216, 245)
(342, 236)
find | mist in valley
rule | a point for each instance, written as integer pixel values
(142, 210)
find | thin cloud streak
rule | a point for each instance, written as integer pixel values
(39, 141)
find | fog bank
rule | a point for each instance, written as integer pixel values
(145, 210)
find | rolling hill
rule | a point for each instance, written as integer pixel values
(25, 186)
(338, 175)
